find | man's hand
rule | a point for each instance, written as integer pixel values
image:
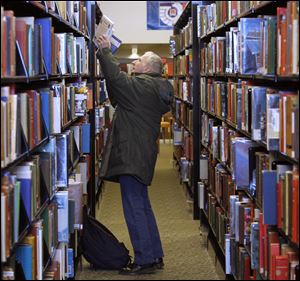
(103, 42)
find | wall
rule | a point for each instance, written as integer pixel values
(130, 22)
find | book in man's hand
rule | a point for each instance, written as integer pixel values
(105, 27)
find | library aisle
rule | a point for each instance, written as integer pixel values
(186, 257)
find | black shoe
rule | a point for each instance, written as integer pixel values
(159, 263)
(135, 269)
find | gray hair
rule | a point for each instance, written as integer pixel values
(155, 63)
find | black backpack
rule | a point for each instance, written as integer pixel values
(100, 247)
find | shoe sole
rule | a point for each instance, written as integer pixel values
(159, 266)
(144, 271)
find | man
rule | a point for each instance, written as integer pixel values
(131, 149)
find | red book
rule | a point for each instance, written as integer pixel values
(295, 207)
(4, 42)
(281, 13)
(283, 45)
(279, 222)
(281, 267)
(274, 252)
(12, 44)
(247, 268)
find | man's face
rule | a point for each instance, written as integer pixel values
(140, 65)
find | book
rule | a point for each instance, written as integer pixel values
(250, 45)
(105, 27)
(61, 198)
(115, 43)
(24, 257)
(269, 186)
(61, 156)
(70, 263)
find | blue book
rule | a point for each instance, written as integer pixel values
(24, 175)
(269, 185)
(61, 198)
(251, 47)
(115, 43)
(8, 32)
(258, 113)
(62, 160)
(255, 246)
(70, 263)
(85, 138)
(46, 24)
(17, 188)
(46, 109)
(24, 257)
(241, 168)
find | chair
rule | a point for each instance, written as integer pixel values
(166, 127)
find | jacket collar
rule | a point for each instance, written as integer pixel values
(150, 74)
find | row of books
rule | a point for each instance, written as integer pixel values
(183, 114)
(268, 252)
(250, 48)
(244, 158)
(217, 218)
(273, 183)
(183, 89)
(186, 170)
(37, 113)
(27, 187)
(182, 40)
(183, 64)
(60, 218)
(209, 17)
(39, 44)
(270, 115)
(74, 12)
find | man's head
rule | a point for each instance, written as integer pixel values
(148, 63)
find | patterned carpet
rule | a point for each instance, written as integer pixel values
(186, 257)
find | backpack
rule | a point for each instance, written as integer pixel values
(100, 247)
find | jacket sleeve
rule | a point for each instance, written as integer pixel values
(119, 83)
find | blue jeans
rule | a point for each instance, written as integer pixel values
(140, 221)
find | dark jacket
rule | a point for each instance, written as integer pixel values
(140, 102)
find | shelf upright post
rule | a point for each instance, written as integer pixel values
(196, 101)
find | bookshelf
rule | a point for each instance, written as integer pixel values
(184, 45)
(250, 180)
(52, 137)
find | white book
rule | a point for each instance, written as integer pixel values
(70, 11)
(227, 254)
(40, 254)
(56, 114)
(105, 27)
(200, 195)
(203, 165)
(3, 227)
(62, 259)
(4, 133)
(82, 166)
(295, 36)
(62, 37)
(24, 115)
(76, 13)
(13, 104)
(61, 198)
